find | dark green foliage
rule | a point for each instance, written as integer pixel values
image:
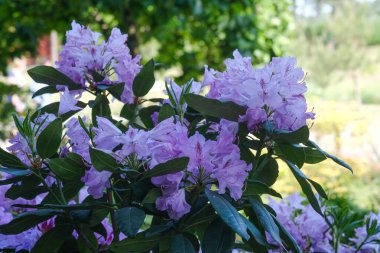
(215, 108)
(129, 220)
(144, 80)
(218, 238)
(49, 141)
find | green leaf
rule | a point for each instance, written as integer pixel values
(83, 216)
(171, 166)
(97, 77)
(28, 188)
(255, 187)
(151, 197)
(282, 136)
(306, 188)
(11, 161)
(129, 220)
(144, 80)
(265, 219)
(318, 188)
(11, 180)
(165, 112)
(101, 108)
(44, 90)
(91, 239)
(26, 221)
(140, 244)
(313, 156)
(100, 229)
(180, 244)
(49, 140)
(218, 238)
(293, 154)
(267, 170)
(233, 218)
(102, 161)
(51, 76)
(15, 172)
(215, 108)
(52, 240)
(146, 115)
(70, 190)
(193, 240)
(156, 230)
(53, 109)
(334, 158)
(129, 112)
(287, 237)
(116, 90)
(201, 217)
(69, 168)
(338, 161)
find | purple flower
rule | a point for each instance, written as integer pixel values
(371, 244)
(81, 36)
(272, 93)
(231, 173)
(107, 135)
(166, 141)
(23, 241)
(134, 142)
(78, 138)
(199, 150)
(175, 204)
(21, 149)
(308, 228)
(168, 183)
(83, 54)
(96, 182)
(67, 103)
(126, 67)
(210, 161)
(254, 117)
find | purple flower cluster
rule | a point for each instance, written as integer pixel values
(84, 53)
(211, 161)
(27, 239)
(308, 228)
(313, 234)
(367, 243)
(274, 93)
(22, 241)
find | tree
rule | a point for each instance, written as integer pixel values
(190, 32)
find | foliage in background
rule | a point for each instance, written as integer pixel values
(184, 31)
(334, 42)
(6, 107)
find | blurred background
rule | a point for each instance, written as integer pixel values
(337, 42)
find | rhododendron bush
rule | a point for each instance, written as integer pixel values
(181, 174)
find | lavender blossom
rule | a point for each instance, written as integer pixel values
(96, 182)
(83, 54)
(272, 93)
(78, 138)
(308, 228)
(67, 103)
(175, 204)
